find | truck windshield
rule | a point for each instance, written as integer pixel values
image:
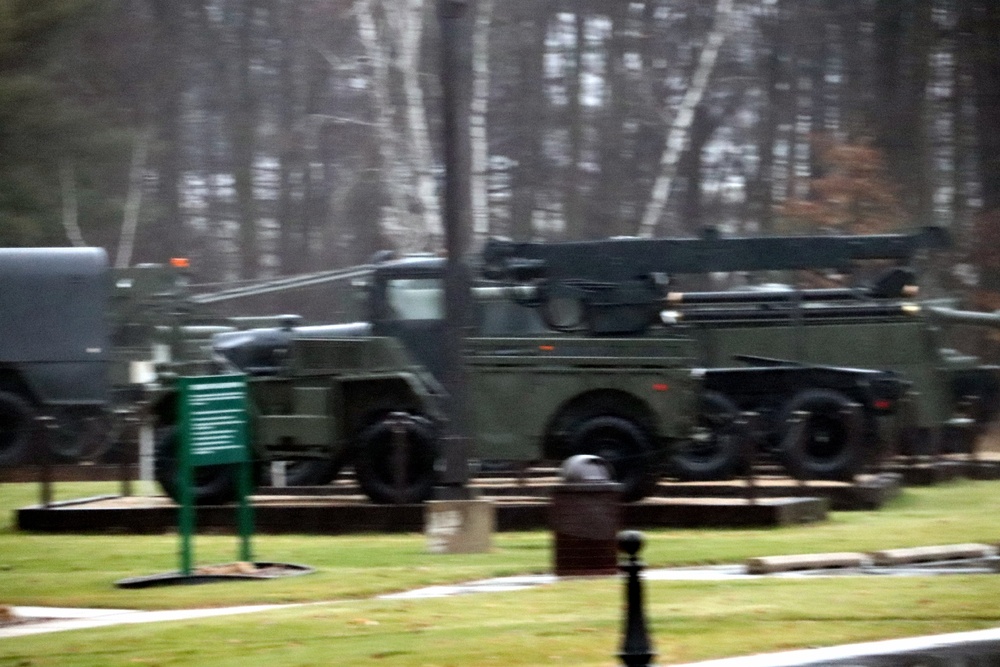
(415, 298)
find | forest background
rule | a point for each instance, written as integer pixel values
(261, 138)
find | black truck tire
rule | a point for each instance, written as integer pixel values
(375, 462)
(625, 446)
(17, 421)
(82, 434)
(211, 485)
(831, 447)
(719, 454)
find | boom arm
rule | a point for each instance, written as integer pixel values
(628, 258)
(614, 282)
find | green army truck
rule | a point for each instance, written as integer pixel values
(332, 395)
(627, 287)
(329, 395)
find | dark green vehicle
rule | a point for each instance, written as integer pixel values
(326, 396)
(951, 397)
(625, 287)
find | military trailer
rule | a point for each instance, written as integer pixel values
(53, 346)
(952, 396)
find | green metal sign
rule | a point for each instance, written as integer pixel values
(213, 431)
(214, 419)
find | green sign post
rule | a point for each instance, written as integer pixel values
(213, 431)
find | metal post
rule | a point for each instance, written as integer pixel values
(398, 422)
(185, 480)
(636, 650)
(914, 433)
(855, 429)
(453, 466)
(244, 512)
(967, 430)
(131, 430)
(747, 425)
(48, 426)
(797, 428)
(147, 455)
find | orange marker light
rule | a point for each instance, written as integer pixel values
(180, 262)
(546, 348)
(661, 386)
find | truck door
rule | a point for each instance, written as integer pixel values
(411, 309)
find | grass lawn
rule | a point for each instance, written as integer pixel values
(572, 622)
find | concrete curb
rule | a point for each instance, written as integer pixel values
(931, 553)
(884, 558)
(771, 564)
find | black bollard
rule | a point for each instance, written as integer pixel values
(636, 649)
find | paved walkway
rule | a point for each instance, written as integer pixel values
(60, 618)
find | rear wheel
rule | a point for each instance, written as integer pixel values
(397, 468)
(83, 434)
(625, 446)
(210, 485)
(829, 442)
(17, 418)
(716, 453)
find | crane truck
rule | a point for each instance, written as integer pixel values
(330, 395)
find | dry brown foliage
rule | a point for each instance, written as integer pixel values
(852, 195)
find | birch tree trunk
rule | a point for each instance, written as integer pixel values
(422, 157)
(133, 200)
(478, 136)
(677, 139)
(243, 109)
(395, 218)
(70, 207)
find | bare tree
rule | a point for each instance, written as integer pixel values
(412, 219)
(70, 216)
(680, 127)
(479, 105)
(133, 200)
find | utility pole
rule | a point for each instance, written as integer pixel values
(453, 464)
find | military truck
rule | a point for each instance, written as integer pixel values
(156, 318)
(335, 394)
(54, 344)
(625, 286)
(328, 395)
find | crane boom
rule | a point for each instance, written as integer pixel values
(615, 286)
